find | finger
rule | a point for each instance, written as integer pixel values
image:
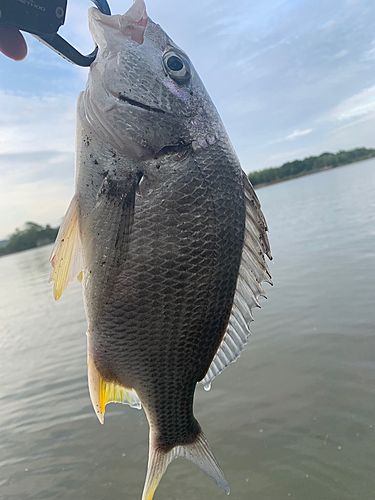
(12, 43)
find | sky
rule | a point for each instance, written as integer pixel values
(290, 78)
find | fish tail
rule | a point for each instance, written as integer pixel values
(198, 452)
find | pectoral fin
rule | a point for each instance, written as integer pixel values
(66, 257)
(107, 233)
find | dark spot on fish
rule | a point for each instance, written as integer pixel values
(103, 262)
(90, 155)
(62, 240)
(174, 148)
(140, 104)
(95, 162)
(158, 166)
(191, 92)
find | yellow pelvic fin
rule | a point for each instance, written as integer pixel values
(66, 257)
(103, 392)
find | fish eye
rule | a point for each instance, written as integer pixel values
(177, 66)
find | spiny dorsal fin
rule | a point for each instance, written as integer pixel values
(253, 270)
(66, 257)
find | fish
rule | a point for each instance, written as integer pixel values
(165, 233)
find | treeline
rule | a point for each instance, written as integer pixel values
(309, 165)
(31, 236)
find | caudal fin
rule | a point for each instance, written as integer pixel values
(198, 452)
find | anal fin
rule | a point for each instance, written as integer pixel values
(103, 392)
(66, 257)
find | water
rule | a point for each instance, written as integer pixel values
(293, 418)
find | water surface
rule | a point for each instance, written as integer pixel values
(293, 418)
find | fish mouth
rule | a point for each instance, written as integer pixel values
(119, 96)
(132, 102)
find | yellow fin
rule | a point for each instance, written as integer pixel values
(113, 393)
(66, 257)
(103, 392)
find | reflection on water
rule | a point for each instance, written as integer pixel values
(293, 418)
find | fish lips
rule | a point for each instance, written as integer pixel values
(132, 24)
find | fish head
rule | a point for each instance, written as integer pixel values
(143, 94)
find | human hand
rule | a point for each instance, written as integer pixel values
(12, 43)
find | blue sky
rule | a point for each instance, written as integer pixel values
(290, 78)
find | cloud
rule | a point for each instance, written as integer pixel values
(43, 201)
(34, 186)
(36, 158)
(286, 156)
(341, 54)
(294, 135)
(21, 168)
(36, 123)
(357, 105)
(298, 133)
(358, 133)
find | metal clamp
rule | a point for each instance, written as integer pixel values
(42, 19)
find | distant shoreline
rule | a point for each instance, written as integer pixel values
(307, 166)
(310, 172)
(31, 236)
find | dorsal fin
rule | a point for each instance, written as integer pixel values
(252, 272)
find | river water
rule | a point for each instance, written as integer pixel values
(293, 418)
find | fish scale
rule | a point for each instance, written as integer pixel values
(167, 281)
(166, 234)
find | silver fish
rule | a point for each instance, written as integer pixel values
(164, 231)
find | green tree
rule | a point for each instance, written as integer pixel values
(32, 235)
(310, 164)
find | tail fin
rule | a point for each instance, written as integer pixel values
(198, 452)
